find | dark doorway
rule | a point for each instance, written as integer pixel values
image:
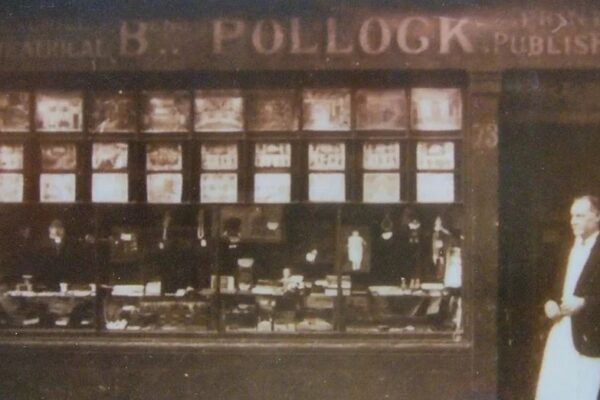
(544, 163)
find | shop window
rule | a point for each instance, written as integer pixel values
(218, 111)
(166, 112)
(113, 113)
(59, 112)
(164, 178)
(218, 176)
(326, 110)
(109, 178)
(58, 178)
(326, 178)
(11, 172)
(272, 179)
(14, 111)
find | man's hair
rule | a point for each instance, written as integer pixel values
(593, 200)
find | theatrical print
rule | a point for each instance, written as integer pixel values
(381, 156)
(326, 187)
(11, 188)
(164, 188)
(218, 188)
(59, 157)
(381, 109)
(436, 109)
(109, 156)
(166, 111)
(11, 157)
(219, 157)
(273, 155)
(435, 156)
(113, 113)
(326, 110)
(164, 157)
(57, 188)
(59, 111)
(435, 188)
(381, 187)
(110, 188)
(326, 156)
(272, 188)
(272, 111)
(218, 111)
(14, 111)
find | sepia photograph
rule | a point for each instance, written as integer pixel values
(300, 200)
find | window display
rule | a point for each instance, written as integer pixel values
(164, 187)
(381, 187)
(110, 188)
(381, 156)
(113, 113)
(14, 111)
(326, 110)
(436, 109)
(272, 188)
(57, 188)
(219, 157)
(272, 111)
(109, 156)
(218, 111)
(11, 156)
(166, 111)
(381, 109)
(11, 188)
(218, 188)
(164, 157)
(435, 188)
(435, 155)
(326, 187)
(273, 155)
(59, 111)
(58, 157)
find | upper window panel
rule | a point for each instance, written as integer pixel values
(113, 113)
(166, 111)
(326, 110)
(59, 111)
(14, 112)
(272, 111)
(381, 109)
(436, 109)
(11, 157)
(219, 111)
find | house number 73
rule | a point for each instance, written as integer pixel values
(485, 134)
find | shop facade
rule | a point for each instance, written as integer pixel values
(280, 204)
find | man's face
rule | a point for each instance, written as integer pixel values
(584, 219)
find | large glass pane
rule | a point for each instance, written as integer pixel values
(218, 188)
(435, 156)
(57, 188)
(11, 187)
(326, 110)
(381, 156)
(273, 155)
(14, 111)
(435, 188)
(326, 187)
(381, 109)
(11, 156)
(166, 111)
(436, 109)
(272, 111)
(59, 157)
(218, 111)
(164, 157)
(219, 157)
(113, 112)
(326, 156)
(59, 111)
(110, 188)
(381, 187)
(164, 187)
(272, 188)
(109, 156)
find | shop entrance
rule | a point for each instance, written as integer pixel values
(548, 155)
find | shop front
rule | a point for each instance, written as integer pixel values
(286, 204)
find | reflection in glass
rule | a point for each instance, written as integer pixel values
(218, 111)
(163, 157)
(164, 188)
(57, 157)
(110, 188)
(166, 112)
(326, 187)
(57, 188)
(14, 111)
(272, 188)
(59, 111)
(435, 188)
(219, 157)
(11, 156)
(113, 113)
(326, 110)
(381, 109)
(435, 155)
(326, 156)
(109, 156)
(436, 109)
(381, 188)
(218, 188)
(11, 188)
(381, 156)
(272, 111)
(273, 155)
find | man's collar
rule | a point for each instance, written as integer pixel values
(589, 241)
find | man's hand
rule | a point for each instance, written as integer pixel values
(570, 305)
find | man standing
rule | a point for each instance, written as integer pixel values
(571, 365)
